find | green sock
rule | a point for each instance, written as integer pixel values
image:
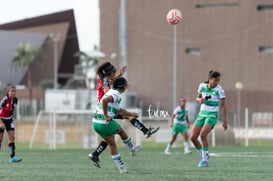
(199, 150)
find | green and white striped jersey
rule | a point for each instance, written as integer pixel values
(112, 109)
(211, 98)
(180, 115)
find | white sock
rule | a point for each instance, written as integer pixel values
(186, 146)
(118, 161)
(205, 155)
(200, 152)
(129, 143)
(168, 148)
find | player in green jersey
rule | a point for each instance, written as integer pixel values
(211, 96)
(179, 123)
(105, 125)
(106, 74)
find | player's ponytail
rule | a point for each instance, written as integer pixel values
(213, 74)
(100, 69)
(105, 70)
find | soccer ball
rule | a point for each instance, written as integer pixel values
(174, 16)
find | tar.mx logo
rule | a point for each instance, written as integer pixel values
(157, 113)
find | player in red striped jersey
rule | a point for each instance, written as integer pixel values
(8, 105)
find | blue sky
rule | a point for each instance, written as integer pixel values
(86, 14)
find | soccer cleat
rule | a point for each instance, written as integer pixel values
(203, 164)
(186, 152)
(151, 131)
(122, 170)
(95, 160)
(15, 159)
(134, 150)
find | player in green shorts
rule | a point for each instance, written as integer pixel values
(106, 74)
(105, 125)
(211, 96)
(179, 124)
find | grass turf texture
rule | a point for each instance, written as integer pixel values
(232, 163)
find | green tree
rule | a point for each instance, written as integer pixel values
(84, 58)
(24, 57)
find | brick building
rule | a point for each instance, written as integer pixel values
(232, 36)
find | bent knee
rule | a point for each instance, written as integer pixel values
(203, 136)
(193, 138)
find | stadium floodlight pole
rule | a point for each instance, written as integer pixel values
(123, 42)
(174, 17)
(123, 35)
(174, 65)
(55, 39)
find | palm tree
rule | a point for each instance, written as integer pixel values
(86, 59)
(24, 57)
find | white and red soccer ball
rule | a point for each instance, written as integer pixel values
(174, 16)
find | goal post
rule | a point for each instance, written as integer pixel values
(72, 129)
(52, 118)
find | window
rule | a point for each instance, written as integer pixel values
(193, 51)
(215, 5)
(265, 7)
(266, 49)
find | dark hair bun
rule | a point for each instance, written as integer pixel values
(119, 83)
(214, 74)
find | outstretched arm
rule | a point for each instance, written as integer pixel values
(122, 70)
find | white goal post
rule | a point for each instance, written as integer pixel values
(53, 122)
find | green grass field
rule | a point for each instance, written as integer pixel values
(229, 163)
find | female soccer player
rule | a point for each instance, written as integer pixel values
(211, 96)
(106, 73)
(105, 125)
(8, 105)
(179, 124)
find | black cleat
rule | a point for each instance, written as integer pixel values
(95, 160)
(151, 131)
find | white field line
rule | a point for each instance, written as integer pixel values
(244, 154)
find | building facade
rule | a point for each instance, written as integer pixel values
(231, 36)
(44, 32)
